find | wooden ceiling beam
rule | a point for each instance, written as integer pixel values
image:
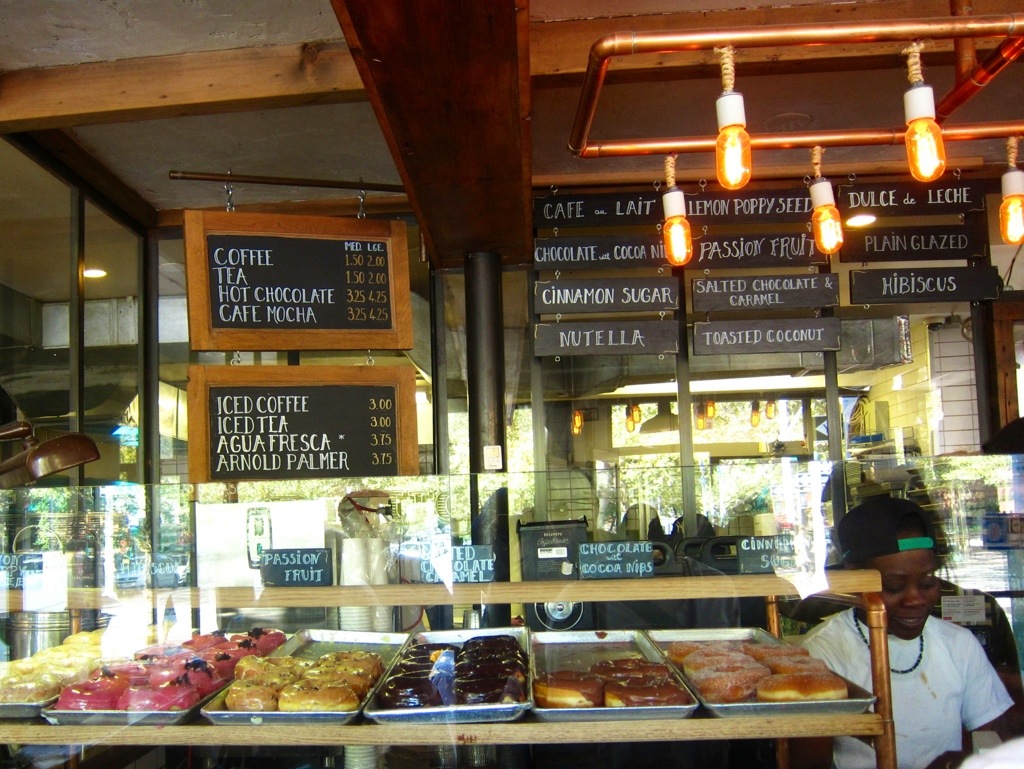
(450, 86)
(175, 86)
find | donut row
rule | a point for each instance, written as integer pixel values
(622, 682)
(487, 669)
(337, 681)
(736, 671)
(166, 677)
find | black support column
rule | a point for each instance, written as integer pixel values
(485, 361)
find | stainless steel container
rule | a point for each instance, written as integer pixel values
(29, 632)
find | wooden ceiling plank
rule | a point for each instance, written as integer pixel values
(175, 86)
(446, 83)
(563, 47)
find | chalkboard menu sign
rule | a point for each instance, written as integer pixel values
(605, 252)
(763, 555)
(616, 560)
(739, 337)
(292, 422)
(907, 244)
(765, 292)
(473, 563)
(958, 196)
(292, 567)
(936, 284)
(270, 282)
(612, 337)
(590, 210)
(610, 295)
(795, 249)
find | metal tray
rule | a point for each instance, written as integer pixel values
(126, 717)
(311, 645)
(859, 701)
(24, 709)
(458, 714)
(578, 650)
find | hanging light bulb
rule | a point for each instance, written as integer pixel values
(630, 420)
(769, 409)
(634, 411)
(925, 151)
(675, 230)
(710, 408)
(1011, 210)
(755, 413)
(826, 223)
(700, 420)
(732, 148)
(576, 425)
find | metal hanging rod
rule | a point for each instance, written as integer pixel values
(282, 181)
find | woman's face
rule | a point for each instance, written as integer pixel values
(909, 589)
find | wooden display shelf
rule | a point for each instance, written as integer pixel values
(660, 589)
(527, 731)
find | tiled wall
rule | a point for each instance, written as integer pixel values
(906, 392)
(952, 363)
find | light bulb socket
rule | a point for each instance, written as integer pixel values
(821, 193)
(918, 102)
(729, 109)
(673, 202)
(1013, 182)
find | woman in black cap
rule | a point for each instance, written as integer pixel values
(941, 679)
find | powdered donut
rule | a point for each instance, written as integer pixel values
(796, 687)
(792, 664)
(729, 682)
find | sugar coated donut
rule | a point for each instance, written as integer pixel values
(764, 651)
(568, 689)
(791, 664)
(796, 687)
(729, 682)
(699, 660)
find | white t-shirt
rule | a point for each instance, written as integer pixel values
(953, 686)
(1009, 755)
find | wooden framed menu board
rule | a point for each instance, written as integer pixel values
(272, 282)
(292, 422)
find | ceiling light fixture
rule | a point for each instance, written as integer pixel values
(732, 148)
(94, 272)
(769, 409)
(710, 408)
(675, 229)
(1011, 210)
(630, 421)
(861, 220)
(925, 151)
(700, 418)
(755, 413)
(826, 223)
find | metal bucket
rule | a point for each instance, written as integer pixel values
(29, 632)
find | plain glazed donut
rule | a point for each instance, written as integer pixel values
(568, 689)
(729, 682)
(791, 664)
(618, 694)
(309, 695)
(797, 687)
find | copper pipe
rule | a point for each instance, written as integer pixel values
(885, 743)
(628, 43)
(1008, 51)
(859, 137)
(964, 50)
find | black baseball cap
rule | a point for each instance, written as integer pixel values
(873, 528)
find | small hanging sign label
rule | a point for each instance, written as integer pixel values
(605, 252)
(606, 295)
(911, 198)
(937, 284)
(907, 244)
(765, 292)
(291, 567)
(623, 337)
(616, 560)
(738, 337)
(763, 555)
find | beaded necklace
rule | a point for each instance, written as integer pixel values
(920, 649)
